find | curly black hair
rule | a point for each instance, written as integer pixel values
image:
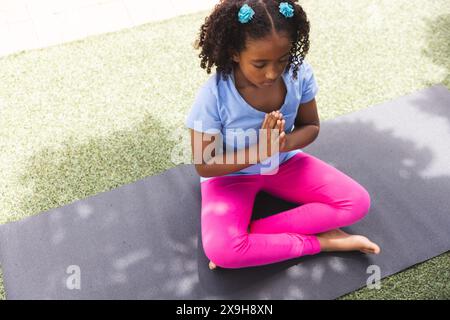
(222, 34)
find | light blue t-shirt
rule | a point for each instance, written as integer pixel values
(219, 107)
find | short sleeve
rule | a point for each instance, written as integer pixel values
(204, 114)
(308, 83)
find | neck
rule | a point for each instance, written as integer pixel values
(241, 81)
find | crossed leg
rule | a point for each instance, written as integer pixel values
(330, 199)
(227, 203)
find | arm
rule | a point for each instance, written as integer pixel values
(220, 164)
(306, 127)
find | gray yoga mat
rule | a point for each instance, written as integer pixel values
(142, 240)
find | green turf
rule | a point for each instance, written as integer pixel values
(88, 116)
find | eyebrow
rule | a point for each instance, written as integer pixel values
(262, 60)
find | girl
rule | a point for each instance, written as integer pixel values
(263, 82)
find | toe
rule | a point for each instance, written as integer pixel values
(211, 265)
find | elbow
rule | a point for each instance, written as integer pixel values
(316, 124)
(200, 168)
(316, 127)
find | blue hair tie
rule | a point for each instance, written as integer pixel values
(245, 14)
(286, 9)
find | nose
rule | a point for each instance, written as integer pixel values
(271, 75)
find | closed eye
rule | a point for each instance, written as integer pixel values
(262, 66)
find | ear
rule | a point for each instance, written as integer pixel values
(234, 56)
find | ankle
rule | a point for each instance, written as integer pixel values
(324, 243)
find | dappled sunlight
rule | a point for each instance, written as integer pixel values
(131, 258)
(337, 265)
(219, 208)
(317, 273)
(84, 211)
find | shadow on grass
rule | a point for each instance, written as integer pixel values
(77, 171)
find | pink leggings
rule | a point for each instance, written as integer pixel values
(330, 199)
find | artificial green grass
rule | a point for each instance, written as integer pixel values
(88, 116)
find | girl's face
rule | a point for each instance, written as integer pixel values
(263, 62)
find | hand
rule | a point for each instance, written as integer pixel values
(274, 120)
(283, 136)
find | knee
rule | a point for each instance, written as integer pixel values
(360, 203)
(222, 250)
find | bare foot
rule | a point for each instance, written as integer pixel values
(338, 240)
(211, 265)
